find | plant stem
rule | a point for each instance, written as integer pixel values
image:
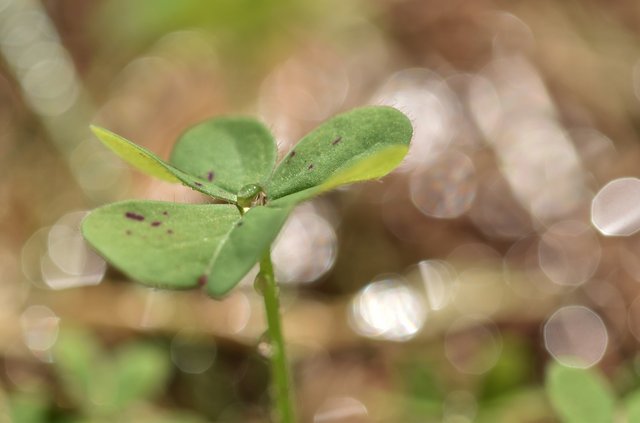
(279, 365)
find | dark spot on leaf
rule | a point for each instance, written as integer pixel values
(210, 176)
(336, 141)
(202, 280)
(169, 231)
(134, 216)
(156, 223)
(310, 166)
(198, 184)
(166, 213)
(240, 223)
(128, 232)
(292, 154)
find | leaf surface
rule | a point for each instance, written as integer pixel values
(230, 152)
(579, 395)
(142, 372)
(365, 143)
(160, 244)
(633, 407)
(76, 354)
(147, 162)
(244, 246)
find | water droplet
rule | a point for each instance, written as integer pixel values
(265, 347)
(259, 284)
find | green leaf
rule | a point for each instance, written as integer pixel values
(578, 395)
(160, 244)
(142, 372)
(76, 355)
(230, 152)
(149, 163)
(359, 145)
(244, 246)
(633, 407)
(28, 408)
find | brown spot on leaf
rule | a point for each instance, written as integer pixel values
(210, 176)
(310, 166)
(198, 184)
(166, 213)
(336, 141)
(156, 223)
(169, 231)
(128, 232)
(202, 280)
(134, 216)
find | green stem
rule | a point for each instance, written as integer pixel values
(279, 365)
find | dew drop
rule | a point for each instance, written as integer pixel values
(259, 284)
(265, 348)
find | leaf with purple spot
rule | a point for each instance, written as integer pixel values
(208, 245)
(359, 145)
(133, 236)
(147, 162)
(229, 152)
(233, 158)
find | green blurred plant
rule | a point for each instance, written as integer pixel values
(584, 396)
(101, 387)
(233, 159)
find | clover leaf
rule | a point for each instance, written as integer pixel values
(579, 395)
(179, 246)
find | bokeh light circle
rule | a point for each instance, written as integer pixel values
(576, 336)
(446, 188)
(473, 344)
(388, 309)
(191, 353)
(615, 210)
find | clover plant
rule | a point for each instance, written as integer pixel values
(233, 160)
(100, 385)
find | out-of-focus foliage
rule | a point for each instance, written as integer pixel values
(113, 385)
(28, 408)
(244, 25)
(579, 395)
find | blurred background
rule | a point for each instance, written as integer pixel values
(504, 243)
